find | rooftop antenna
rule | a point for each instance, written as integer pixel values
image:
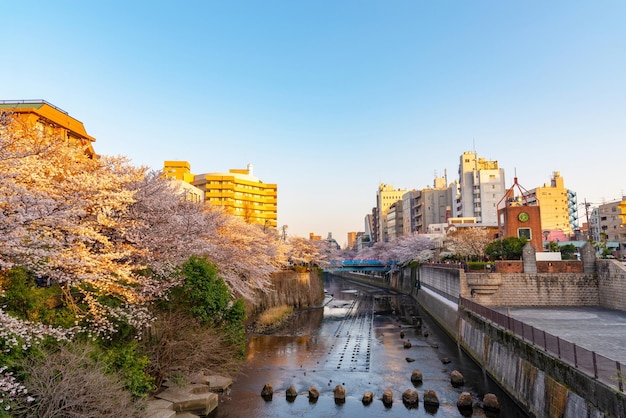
(509, 197)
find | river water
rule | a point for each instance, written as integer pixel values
(354, 340)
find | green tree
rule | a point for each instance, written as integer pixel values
(506, 249)
(552, 246)
(568, 252)
(22, 297)
(126, 360)
(205, 295)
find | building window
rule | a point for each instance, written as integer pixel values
(524, 232)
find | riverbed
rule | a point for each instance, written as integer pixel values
(358, 339)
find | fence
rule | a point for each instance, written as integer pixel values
(591, 363)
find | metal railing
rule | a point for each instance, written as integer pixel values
(29, 101)
(604, 369)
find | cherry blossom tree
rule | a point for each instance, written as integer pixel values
(111, 235)
(245, 255)
(305, 252)
(168, 229)
(62, 215)
(412, 248)
(469, 243)
(401, 251)
(380, 251)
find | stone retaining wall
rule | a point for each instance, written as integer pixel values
(540, 289)
(293, 289)
(612, 284)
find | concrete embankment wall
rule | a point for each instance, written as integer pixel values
(445, 281)
(443, 311)
(544, 385)
(293, 289)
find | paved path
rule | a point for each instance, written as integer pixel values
(596, 329)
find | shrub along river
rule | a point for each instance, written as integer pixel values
(354, 340)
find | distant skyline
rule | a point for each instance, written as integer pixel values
(330, 99)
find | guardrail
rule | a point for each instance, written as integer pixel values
(589, 362)
(28, 101)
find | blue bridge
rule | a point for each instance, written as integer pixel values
(359, 265)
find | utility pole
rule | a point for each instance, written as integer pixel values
(587, 205)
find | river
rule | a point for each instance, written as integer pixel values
(354, 340)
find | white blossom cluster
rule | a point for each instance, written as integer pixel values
(11, 389)
(16, 333)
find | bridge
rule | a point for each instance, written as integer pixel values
(359, 265)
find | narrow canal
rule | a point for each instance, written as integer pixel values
(354, 340)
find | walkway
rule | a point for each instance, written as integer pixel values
(596, 329)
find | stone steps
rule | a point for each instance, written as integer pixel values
(196, 399)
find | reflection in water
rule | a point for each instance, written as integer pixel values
(356, 340)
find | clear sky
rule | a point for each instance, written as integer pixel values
(328, 99)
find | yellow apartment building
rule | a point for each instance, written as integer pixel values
(386, 196)
(553, 199)
(238, 191)
(49, 120)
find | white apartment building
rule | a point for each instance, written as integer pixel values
(482, 186)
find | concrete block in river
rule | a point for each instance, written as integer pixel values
(368, 397)
(267, 392)
(314, 394)
(456, 378)
(388, 398)
(410, 398)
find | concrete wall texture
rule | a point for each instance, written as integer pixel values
(612, 284)
(443, 280)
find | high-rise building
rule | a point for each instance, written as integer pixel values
(352, 239)
(612, 225)
(436, 204)
(385, 197)
(410, 200)
(481, 188)
(368, 227)
(554, 200)
(375, 224)
(238, 191)
(50, 121)
(395, 221)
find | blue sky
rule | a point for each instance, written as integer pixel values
(328, 99)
